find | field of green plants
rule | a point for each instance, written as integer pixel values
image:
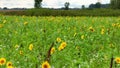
(59, 42)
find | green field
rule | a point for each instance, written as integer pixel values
(90, 41)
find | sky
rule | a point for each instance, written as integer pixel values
(48, 3)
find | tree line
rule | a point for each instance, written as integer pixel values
(38, 3)
(113, 4)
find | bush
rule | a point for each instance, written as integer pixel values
(53, 12)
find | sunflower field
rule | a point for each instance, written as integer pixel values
(59, 42)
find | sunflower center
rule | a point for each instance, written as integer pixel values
(118, 60)
(9, 64)
(2, 61)
(45, 66)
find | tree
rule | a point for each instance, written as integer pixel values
(91, 6)
(118, 4)
(98, 5)
(66, 5)
(83, 6)
(5, 8)
(115, 4)
(37, 3)
(112, 4)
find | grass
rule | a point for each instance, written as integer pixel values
(90, 41)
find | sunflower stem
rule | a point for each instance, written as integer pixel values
(48, 53)
(111, 63)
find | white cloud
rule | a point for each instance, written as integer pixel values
(47, 3)
(73, 3)
(17, 3)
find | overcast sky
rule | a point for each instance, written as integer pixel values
(48, 3)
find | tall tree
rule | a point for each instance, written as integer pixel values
(66, 5)
(115, 4)
(83, 6)
(118, 4)
(112, 3)
(98, 5)
(37, 3)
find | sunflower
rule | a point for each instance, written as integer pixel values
(31, 47)
(21, 52)
(1, 25)
(9, 64)
(82, 36)
(113, 24)
(117, 60)
(52, 50)
(46, 65)
(16, 46)
(58, 39)
(102, 31)
(2, 61)
(62, 46)
(91, 29)
(10, 67)
(25, 23)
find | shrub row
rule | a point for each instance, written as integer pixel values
(53, 12)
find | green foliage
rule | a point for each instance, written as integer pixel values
(37, 3)
(86, 46)
(66, 5)
(115, 4)
(52, 12)
(98, 5)
(83, 6)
